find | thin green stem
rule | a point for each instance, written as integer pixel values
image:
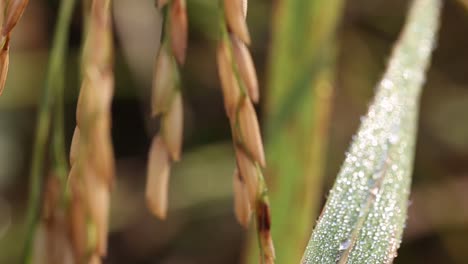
(53, 87)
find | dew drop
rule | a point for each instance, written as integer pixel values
(345, 244)
(374, 191)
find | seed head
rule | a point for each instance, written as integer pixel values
(13, 14)
(233, 10)
(77, 216)
(242, 207)
(98, 200)
(173, 127)
(100, 150)
(163, 82)
(158, 178)
(249, 174)
(246, 68)
(250, 132)
(229, 83)
(75, 145)
(4, 62)
(95, 259)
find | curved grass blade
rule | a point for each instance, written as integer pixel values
(365, 214)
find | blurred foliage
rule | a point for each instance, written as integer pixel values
(298, 103)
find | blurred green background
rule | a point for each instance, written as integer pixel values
(201, 227)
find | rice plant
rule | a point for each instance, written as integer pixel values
(70, 203)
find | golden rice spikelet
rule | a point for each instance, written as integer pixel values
(233, 10)
(4, 63)
(158, 178)
(250, 132)
(95, 259)
(179, 29)
(9, 18)
(77, 217)
(80, 105)
(166, 100)
(229, 83)
(249, 174)
(172, 126)
(98, 200)
(245, 4)
(246, 68)
(103, 89)
(163, 82)
(75, 146)
(236, 68)
(86, 107)
(101, 151)
(13, 13)
(242, 207)
(2, 13)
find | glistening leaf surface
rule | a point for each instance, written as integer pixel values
(365, 214)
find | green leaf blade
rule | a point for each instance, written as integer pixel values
(366, 210)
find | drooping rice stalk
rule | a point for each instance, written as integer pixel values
(13, 12)
(168, 104)
(91, 154)
(240, 89)
(365, 214)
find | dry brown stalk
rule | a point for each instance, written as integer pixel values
(91, 153)
(13, 13)
(240, 87)
(167, 102)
